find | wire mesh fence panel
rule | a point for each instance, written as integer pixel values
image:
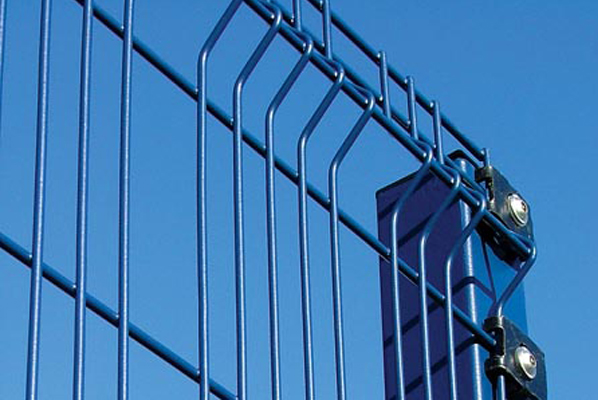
(206, 198)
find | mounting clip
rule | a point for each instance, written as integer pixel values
(507, 204)
(518, 359)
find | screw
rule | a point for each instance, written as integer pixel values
(526, 361)
(518, 209)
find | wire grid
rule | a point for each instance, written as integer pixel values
(372, 98)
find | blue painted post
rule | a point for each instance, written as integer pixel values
(478, 279)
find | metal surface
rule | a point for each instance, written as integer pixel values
(517, 360)
(35, 299)
(303, 228)
(333, 171)
(271, 212)
(518, 209)
(453, 248)
(2, 41)
(82, 205)
(526, 361)
(506, 204)
(238, 199)
(124, 204)
(456, 260)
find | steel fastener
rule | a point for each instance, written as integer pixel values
(518, 209)
(526, 361)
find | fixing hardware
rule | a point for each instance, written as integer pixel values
(507, 204)
(518, 209)
(517, 358)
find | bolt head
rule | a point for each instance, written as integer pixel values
(526, 361)
(518, 209)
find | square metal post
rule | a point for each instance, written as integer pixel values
(478, 278)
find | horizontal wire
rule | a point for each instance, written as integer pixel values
(111, 316)
(188, 88)
(398, 78)
(350, 89)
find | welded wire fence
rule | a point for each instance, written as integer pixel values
(232, 256)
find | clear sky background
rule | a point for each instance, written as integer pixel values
(517, 77)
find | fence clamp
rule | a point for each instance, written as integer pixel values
(518, 359)
(507, 204)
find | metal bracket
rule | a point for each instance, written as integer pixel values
(507, 204)
(517, 358)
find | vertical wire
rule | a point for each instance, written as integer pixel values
(304, 229)
(411, 105)
(124, 206)
(82, 204)
(39, 204)
(202, 234)
(398, 341)
(384, 83)
(271, 213)
(422, 282)
(486, 153)
(201, 197)
(335, 244)
(450, 331)
(497, 309)
(327, 28)
(297, 15)
(437, 122)
(2, 44)
(501, 388)
(238, 198)
(412, 111)
(394, 258)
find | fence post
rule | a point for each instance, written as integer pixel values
(480, 272)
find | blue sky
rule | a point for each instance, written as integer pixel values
(517, 77)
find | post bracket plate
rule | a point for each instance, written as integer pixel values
(518, 359)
